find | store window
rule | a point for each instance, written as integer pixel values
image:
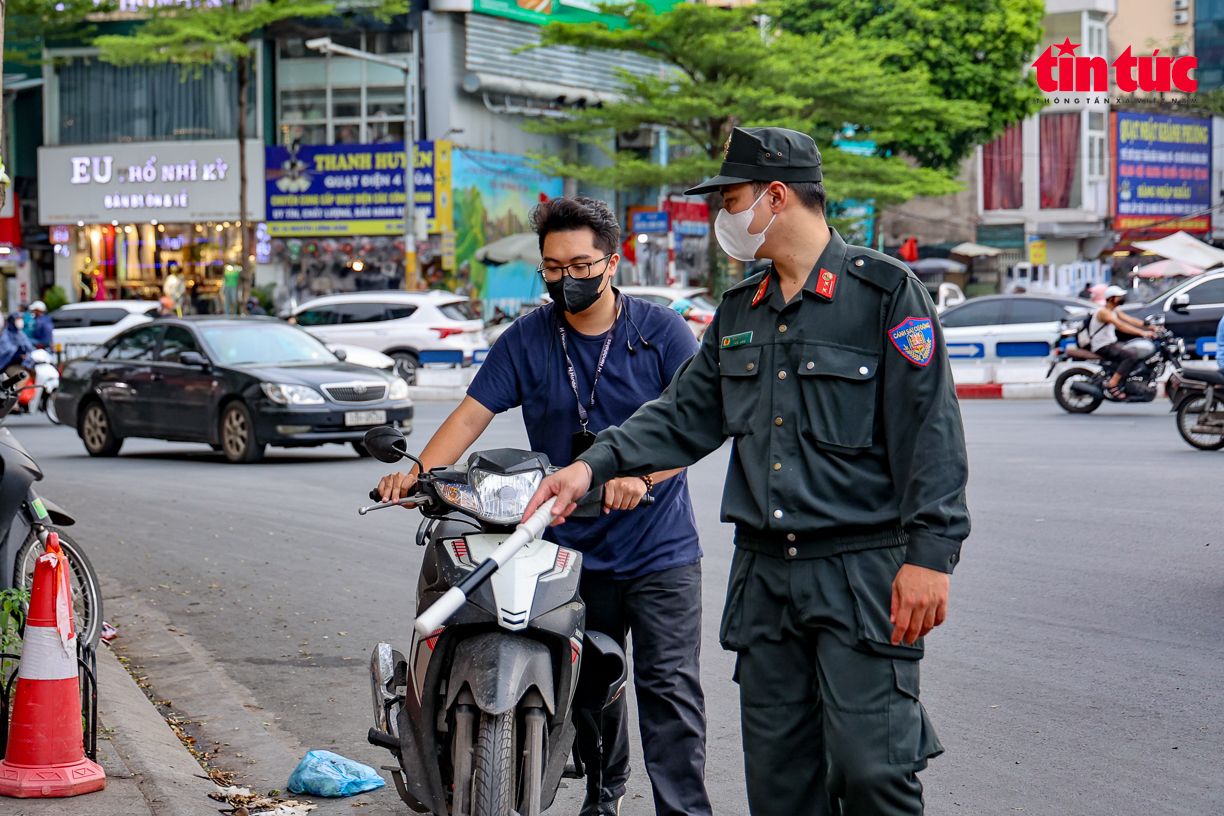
(1003, 171)
(1060, 168)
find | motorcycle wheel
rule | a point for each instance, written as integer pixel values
(494, 773)
(1072, 401)
(86, 593)
(48, 406)
(1189, 414)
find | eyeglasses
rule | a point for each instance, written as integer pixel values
(577, 271)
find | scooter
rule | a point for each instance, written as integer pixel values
(43, 388)
(478, 712)
(1082, 390)
(1199, 401)
(25, 521)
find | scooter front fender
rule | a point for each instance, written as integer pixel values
(500, 668)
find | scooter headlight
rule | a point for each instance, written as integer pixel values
(502, 497)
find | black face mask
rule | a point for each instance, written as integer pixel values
(575, 295)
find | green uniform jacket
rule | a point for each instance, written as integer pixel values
(846, 424)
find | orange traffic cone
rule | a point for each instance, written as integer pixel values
(46, 747)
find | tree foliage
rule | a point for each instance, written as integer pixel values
(32, 25)
(973, 50)
(720, 70)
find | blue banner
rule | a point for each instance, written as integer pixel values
(1163, 171)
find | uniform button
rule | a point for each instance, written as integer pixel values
(777, 420)
(790, 536)
(862, 370)
(751, 366)
(859, 262)
(792, 552)
(777, 465)
(781, 328)
(781, 375)
(810, 366)
(777, 514)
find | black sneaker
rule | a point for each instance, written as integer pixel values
(596, 805)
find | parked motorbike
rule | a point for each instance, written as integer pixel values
(39, 394)
(1082, 390)
(27, 519)
(1198, 398)
(479, 711)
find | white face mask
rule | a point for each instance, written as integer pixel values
(19, 324)
(731, 229)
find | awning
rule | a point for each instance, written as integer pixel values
(1167, 269)
(972, 250)
(1181, 246)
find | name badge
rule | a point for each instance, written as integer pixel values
(733, 340)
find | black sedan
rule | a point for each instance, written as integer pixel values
(1192, 310)
(238, 384)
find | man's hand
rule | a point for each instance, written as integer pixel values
(623, 494)
(919, 602)
(396, 486)
(568, 484)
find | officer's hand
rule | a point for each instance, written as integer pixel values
(623, 494)
(396, 486)
(919, 602)
(568, 484)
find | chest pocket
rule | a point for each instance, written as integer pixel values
(839, 395)
(740, 370)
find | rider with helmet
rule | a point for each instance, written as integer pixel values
(1103, 334)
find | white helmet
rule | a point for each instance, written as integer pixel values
(1115, 291)
(38, 306)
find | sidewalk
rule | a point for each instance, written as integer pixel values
(148, 771)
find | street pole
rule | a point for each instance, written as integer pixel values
(412, 276)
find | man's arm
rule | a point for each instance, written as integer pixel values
(674, 431)
(926, 452)
(460, 430)
(1125, 322)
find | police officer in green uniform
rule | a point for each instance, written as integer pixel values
(846, 488)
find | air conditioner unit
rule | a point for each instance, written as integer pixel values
(1181, 17)
(1179, 50)
(1178, 5)
(642, 139)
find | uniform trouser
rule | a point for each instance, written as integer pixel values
(663, 610)
(829, 708)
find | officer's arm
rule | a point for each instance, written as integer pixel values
(674, 431)
(925, 439)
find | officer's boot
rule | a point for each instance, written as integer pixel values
(599, 804)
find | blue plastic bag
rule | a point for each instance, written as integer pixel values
(322, 773)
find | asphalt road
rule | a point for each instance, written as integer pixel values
(1081, 669)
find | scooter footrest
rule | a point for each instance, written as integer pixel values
(383, 740)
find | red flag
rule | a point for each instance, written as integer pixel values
(909, 250)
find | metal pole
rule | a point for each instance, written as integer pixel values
(412, 277)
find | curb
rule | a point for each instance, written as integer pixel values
(1004, 391)
(169, 777)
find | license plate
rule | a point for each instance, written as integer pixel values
(365, 417)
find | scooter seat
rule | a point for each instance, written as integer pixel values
(1082, 354)
(1203, 375)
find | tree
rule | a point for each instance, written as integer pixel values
(722, 69)
(196, 33)
(973, 50)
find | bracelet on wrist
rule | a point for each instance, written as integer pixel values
(649, 482)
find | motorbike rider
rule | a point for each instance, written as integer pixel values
(582, 363)
(1102, 329)
(1220, 345)
(42, 332)
(15, 348)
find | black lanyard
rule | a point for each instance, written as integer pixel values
(584, 413)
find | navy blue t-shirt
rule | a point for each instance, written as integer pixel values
(526, 367)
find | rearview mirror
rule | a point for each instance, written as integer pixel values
(1180, 304)
(341, 354)
(193, 358)
(386, 444)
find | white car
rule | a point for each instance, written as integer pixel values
(81, 327)
(1000, 327)
(413, 328)
(703, 305)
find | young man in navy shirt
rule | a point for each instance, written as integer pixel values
(580, 364)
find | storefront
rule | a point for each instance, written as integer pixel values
(140, 220)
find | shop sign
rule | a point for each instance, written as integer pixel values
(61, 234)
(173, 182)
(542, 12)
(355, 189)
(1162, 169)
(1036, 250)
(650, 221)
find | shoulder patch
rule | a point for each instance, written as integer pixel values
(876, 268)
(914, 337)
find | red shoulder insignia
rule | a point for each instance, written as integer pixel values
(825, 284)
(760, 292)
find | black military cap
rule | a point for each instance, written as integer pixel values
(765, 154)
